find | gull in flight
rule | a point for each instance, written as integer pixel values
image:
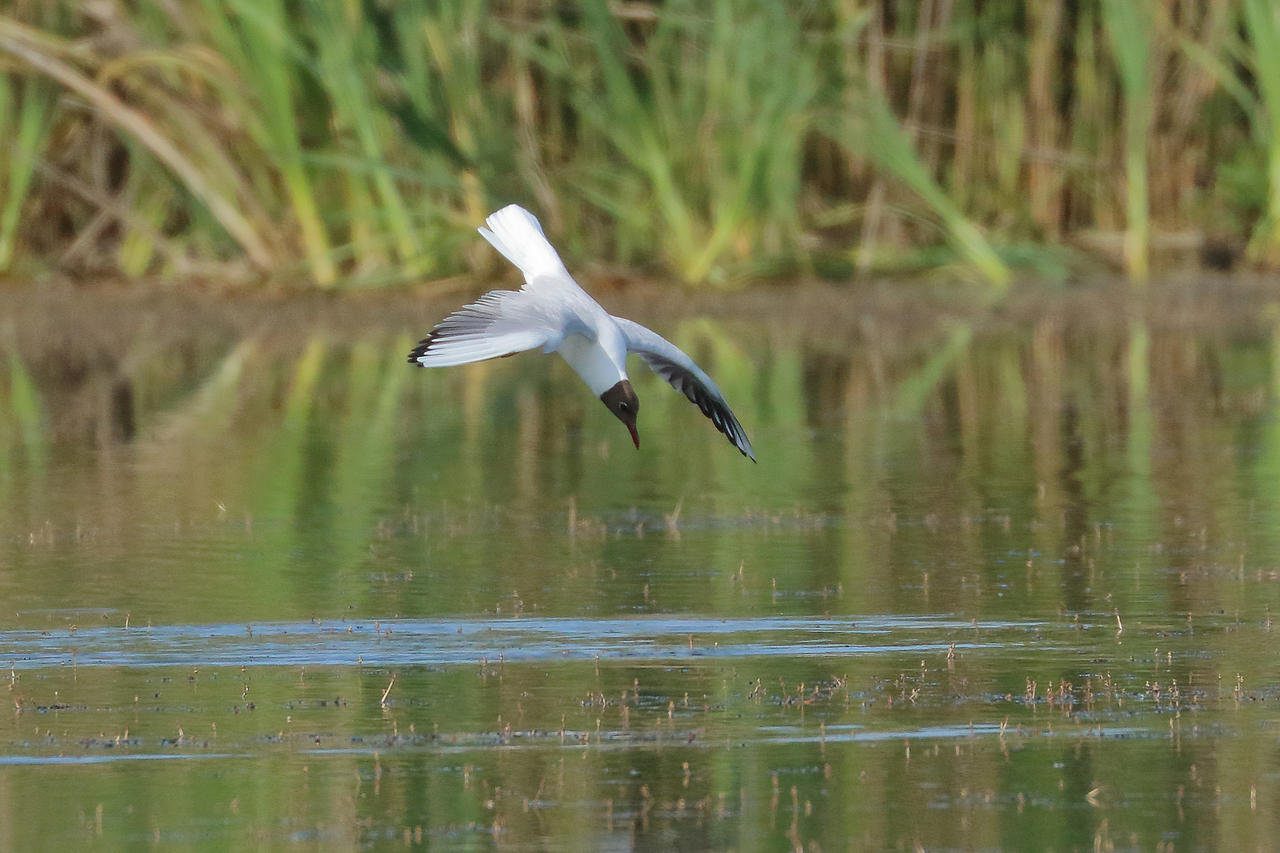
(553, 314)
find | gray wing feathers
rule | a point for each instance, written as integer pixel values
(682, 373)
(501, 322)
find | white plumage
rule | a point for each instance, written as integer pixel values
(517, 234)
(552, 313)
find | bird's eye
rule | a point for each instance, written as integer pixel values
(622, 407)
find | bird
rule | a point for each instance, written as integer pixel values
(552, 313)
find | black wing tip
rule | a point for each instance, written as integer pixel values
(744, 448)
(723, 418)
(423, 347)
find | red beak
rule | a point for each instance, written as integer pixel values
(635, 436)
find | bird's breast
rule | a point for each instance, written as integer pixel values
(591, 360)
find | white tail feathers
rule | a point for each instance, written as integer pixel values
(515, 233)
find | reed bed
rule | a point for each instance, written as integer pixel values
(357, 144)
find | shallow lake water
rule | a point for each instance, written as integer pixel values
(1000, 580)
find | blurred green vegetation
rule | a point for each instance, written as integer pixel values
(295, 457)
(358, 143)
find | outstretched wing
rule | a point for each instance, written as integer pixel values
(670, 362)
(502, 322)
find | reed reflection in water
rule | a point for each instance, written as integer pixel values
(1013, 572)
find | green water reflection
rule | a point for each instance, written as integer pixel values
(996, 582)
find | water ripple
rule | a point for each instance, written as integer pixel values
(455, 641)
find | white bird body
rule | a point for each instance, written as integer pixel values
(600, 362)
(552, 313)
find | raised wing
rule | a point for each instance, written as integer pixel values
(502, 322)
(517, 235)
(670, 362)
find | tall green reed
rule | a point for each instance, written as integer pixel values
(259, 41)
(344, 50)
(26, 116)
(1043, 123)
(451, 97)
(360, 142)
(874, 132)
(707, 113)
(1128, 24)
(995, 117)
(45, 55)
(1262, 24)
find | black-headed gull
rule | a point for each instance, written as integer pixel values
(552, 313)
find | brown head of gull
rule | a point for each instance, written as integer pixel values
(621, 399)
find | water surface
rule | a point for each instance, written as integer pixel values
(999, 580)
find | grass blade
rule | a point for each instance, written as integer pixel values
(1128, 24)
(878, 137)
(138, 126)
(34, 111)
(1262, 22)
